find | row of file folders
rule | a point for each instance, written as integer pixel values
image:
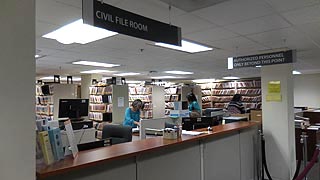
(100, 98)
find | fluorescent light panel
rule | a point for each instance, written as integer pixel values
(166, 77)
(178, 72)
(296, 72)
(96, 71)
(186, 47)
(78, 32)
(230, 77)
(203, 80)
(96, 64)
(127, 74)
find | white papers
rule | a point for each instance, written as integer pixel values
(120, 101)
(71, 138)
(135, 129)
(314, 127)
(192, 133)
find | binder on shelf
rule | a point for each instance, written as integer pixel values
(46, 147)
(56, 143)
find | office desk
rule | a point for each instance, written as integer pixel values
(214, 154)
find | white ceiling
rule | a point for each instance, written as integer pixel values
(233, 28)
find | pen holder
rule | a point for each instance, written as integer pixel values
(169, 133)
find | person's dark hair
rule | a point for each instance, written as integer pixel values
(137, 103)
(191, 97)
(236, 98)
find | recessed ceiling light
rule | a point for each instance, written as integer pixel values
(258, 66)
(78, 32)
(97, 64)
(127, 74)
(97, 71)
(230, 77)
(166, 77)
(203, 80)
(296, 72)
(186, 47)
(178, 72)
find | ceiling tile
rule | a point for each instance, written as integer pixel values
(282, 38)
(304, 15)
(153, 9)
(311, 30)
(258, 25)
(197, 24)
(239, 45)
(56, 13)
(210, 34)
(234, 11)
(285, 5)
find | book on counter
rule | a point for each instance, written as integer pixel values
(46, 147)
(56, 143)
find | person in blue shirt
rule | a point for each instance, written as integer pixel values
(132, 114)
(194, 108)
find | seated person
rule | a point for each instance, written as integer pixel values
(235, 106)
(132, 114)
(194, 108)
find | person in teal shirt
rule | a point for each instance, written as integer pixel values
(194, 108)
(132, 114)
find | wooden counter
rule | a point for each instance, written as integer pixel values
(126, 150)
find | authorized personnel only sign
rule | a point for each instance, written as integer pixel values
(280, 57)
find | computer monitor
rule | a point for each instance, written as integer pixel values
(189, 123)
(73, 108)
(45, 89)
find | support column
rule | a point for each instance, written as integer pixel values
(17, 99)
(86, 81)
(278, 122)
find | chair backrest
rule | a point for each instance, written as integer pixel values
(117, 133)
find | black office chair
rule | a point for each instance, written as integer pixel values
(117, 133)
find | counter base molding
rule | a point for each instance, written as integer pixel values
(227, 153)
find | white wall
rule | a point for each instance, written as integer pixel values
(307, 90)
(278, 124)
(17, 77)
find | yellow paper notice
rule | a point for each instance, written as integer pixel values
(274, 87)
(274, 97)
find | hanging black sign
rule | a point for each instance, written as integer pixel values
(108, 17)
(280, 57)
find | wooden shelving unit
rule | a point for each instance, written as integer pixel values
(47, 103)
(218, 95)
(152, 96)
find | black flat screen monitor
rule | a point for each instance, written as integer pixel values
(73, 108)
(198, 123)
(45, 89)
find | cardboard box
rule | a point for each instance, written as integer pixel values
(256, 115)
(247, 115)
